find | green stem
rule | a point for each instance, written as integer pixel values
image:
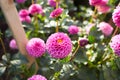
(32, 1)
(116, 29)
(4, 50)
(95, 10)
(73, 55)
(57, 27)
(36, 23)
(2, 45)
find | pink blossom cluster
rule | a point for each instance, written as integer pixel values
(115, 44)
(56, 13)
(24, 16)
(101, 5)
(37, 77)
(35, 47)
(73, 29)
(116, 16)
(13, 44)
(33, 10)
(105, 28)
(59, 45)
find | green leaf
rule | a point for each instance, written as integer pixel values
(2, 70)
(91, 39)
(16, 62)
(6, 58)
(65, 60)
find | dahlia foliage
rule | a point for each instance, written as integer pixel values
(67, 40)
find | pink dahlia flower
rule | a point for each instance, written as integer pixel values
(24, 16)
(35, 9)
(52, 3)
(98, 2)
(115, 44)
(59, 45)
(25, 19)
(20, 1)
(13, 44)
(57, 12)
(116, 16)
(105, 28)
(73, 29)
(35, 47)
(37, 77)
(23, 13)
(103, 8)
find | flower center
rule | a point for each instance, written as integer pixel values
(59, 40)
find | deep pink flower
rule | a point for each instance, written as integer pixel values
(98, 2)
(24, 16)
(59, 45)
(73, 29)
(105, 28)
(57, 12)
(23, 13)
(116, 16)
(20, 1)
(25, 19)
(115, 44)
(103, 8)
(83, 42)
(35, 47)
(37, 77)
(52, 3)
(35, 9)
(13, 44)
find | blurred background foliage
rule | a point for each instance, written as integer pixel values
(95, 61)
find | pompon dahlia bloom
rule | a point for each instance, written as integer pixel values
(98, 2)
(59, 45)
(105, 28)
(13, 44)
(37, 77)
(35, 47)
(83, 42)
(103, 8)
(116, 16)
(73, 29)
(24, 16)
(20, 1)
(57, 12)
(115, 44)
(35, 9)
(52, 3)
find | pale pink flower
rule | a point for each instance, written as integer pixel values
(103, 8)
(13, 44)
(105, 28)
